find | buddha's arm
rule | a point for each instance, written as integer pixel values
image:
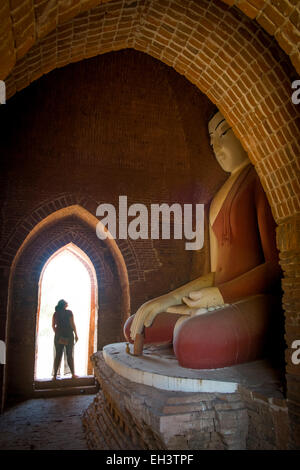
(265, 276)
(201, 282)
(149, 310)
(213, 244)
(255, 281)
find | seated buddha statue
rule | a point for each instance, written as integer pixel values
(222, 318)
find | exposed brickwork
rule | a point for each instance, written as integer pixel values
(127, 415)
(25, 22)
(141, 417)
(24, 227)
(289, 244)
(106, 428)
(24, 295)
(7, 47)
(110, 160)
(228, 56)
(268, 422)
(43, 173)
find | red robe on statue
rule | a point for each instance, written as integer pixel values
(248, 277)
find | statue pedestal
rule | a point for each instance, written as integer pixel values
(150, 402)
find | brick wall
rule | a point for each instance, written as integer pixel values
(74, 146)
(289, 242)
(233, 53)
(26, 22)
(21, 328)
(229, 56)
(128, 415)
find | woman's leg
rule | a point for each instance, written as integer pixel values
(70, 357)
(58, 355)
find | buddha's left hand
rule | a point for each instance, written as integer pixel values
(204, 298)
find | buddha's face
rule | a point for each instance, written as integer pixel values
(227, 147)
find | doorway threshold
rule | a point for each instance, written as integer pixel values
(45, 388)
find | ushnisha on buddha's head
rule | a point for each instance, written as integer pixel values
(228, 150)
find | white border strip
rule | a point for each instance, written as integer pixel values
(163, 382)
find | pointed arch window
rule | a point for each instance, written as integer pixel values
(68, 274)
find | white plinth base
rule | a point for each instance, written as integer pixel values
(159, 368)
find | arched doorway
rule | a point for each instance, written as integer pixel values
(72, 226)
(68, 274)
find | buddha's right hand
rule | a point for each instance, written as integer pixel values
(149, 310)
(146, 314)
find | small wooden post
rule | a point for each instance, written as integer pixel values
(138, 344)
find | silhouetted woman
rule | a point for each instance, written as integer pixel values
(64, 328)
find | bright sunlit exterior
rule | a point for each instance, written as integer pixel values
(65, 276)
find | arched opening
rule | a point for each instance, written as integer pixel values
(68, 274)
(261, 113)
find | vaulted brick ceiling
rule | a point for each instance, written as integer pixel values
(220, 48)
(24, 23)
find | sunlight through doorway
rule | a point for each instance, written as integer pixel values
(68, 275)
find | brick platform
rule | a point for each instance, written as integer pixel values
(126, 415)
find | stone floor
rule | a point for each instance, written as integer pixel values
(45, 424)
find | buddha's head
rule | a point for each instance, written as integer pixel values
(228, 150)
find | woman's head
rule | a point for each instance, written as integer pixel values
(61, 305)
